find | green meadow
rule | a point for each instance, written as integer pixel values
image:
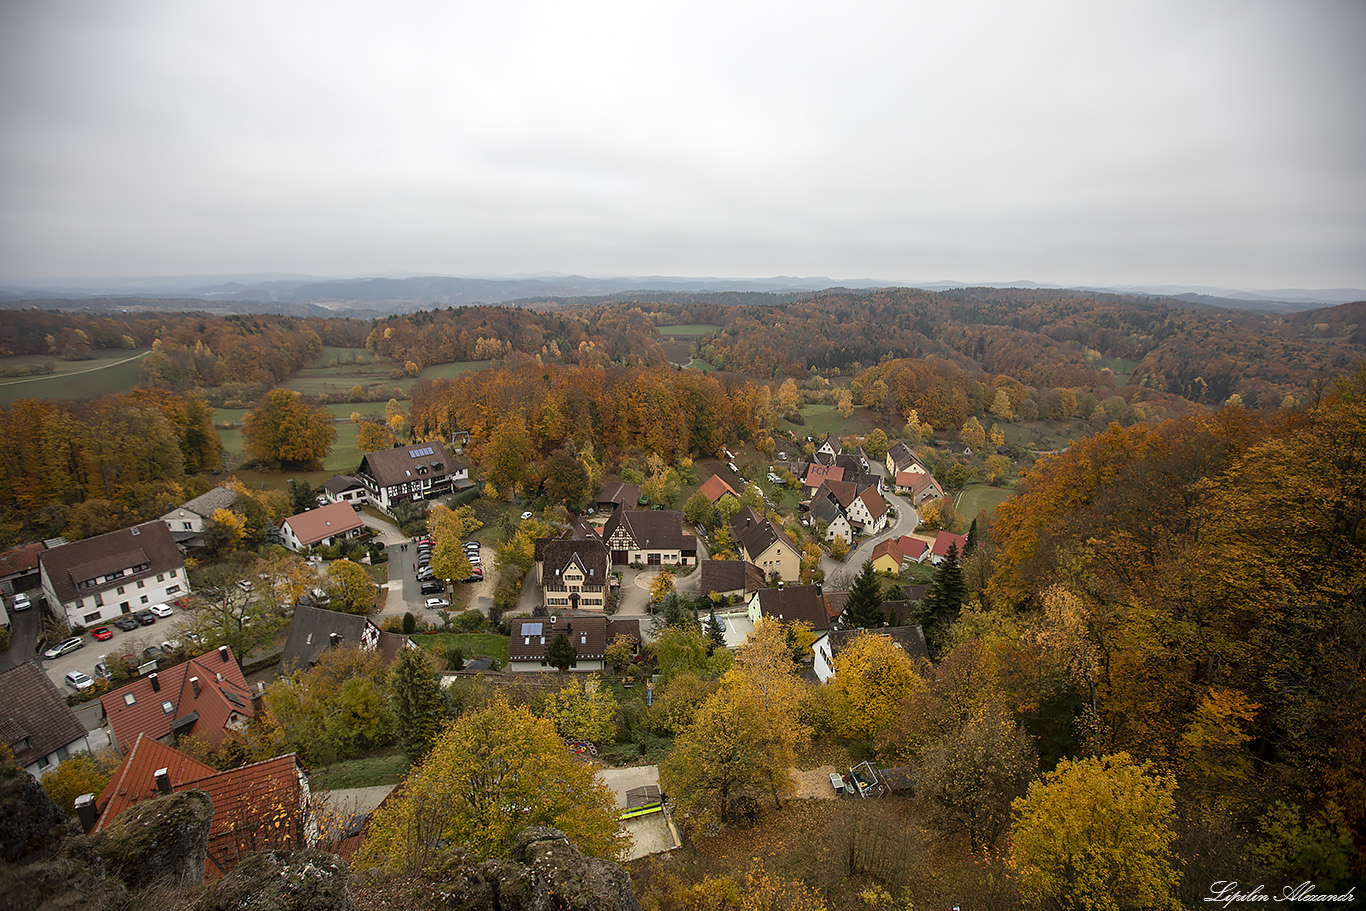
(107, 372)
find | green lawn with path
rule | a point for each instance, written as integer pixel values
(693, 330)
(108, 372)
(978, 497)
(366, 772)
(474, 645)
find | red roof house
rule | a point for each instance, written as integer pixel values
(206, 696)
(940, 550)
(716, 488)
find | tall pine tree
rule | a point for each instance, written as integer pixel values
(943, 601)
(718, 638)
(863, 610)
(419, 707)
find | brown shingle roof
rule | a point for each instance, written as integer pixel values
(756, 534)
(207, 503)
(724, 576)
(657, 529)
(311, 630)
(205, 714)
(147, 544)
(530, 638)
(324, 522)
(795, 602)
(34, 717)
(592, 556)
(19, 560)
(619, 494)
(390, 467)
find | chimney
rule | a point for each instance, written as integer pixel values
(223, 652)
(194, 684)
(156, 684)
(333, 640)
(163, 777)
(87, 812)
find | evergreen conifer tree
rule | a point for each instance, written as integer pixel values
(560, 653)
(943, 601)
(415, 695)
(718, 638)
(971, 543)
(863, 610)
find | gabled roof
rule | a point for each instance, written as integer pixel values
(149, 544)
(908, 638)
(619, 494)
(324, 522)
(311, 630)
(890, 548)
(716, 488)
(222, 693)
(135, 778)
(912, 548)
(19, 560)
(827, 510)
(590, 556)
(834, 443)
(723, 576)
(873, 502)
(34, 717)
(341, 484)
(842, 492)
(756, 534)
(530, 638)
(207, 503)
(794, 602)
(816, 474)
(244, 799)
(942, 542)
(916, 482)
(834, 603)
(651, 529)
(390, 467)
(903, 456)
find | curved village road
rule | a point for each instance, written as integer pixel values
(907, 520)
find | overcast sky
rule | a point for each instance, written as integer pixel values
(1138, 141)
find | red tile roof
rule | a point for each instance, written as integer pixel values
(222, 693)
(912, 548)
(942, 542)
(816, 474)
(890, 547)
(716, 488)
(255, 807)
(324, 522)
(135, 778)
(19, 560)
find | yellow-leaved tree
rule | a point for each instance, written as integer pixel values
(582, 711)
(872, 675)
(1096, 833)
(491, 774)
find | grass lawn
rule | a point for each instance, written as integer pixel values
(341, 376)
(474, 645)
(978, 497)
(107, 372)
(826, 419)
(692, 330)
(366, 772)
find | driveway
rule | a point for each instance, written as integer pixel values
(907, 520)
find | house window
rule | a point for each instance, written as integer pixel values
(143, 599)
(129, 699)
(142, 583)
(655, 559)
(92, 618)
(44, 762)
(187, 526)
(167, 708)
(172, 589)
(119, 589)
(99, 600)
(161, 577)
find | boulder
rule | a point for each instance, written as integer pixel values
(164, 841)
(305, 880)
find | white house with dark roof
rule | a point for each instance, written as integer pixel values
(322, 527)
(411, 473)
(99, 578)
(188, 520)
(35, 721)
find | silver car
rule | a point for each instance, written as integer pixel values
(65, 647)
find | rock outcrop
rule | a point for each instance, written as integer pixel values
(282, 881)
(159, 842)
(545, 873)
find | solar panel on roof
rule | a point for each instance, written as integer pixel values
(531, 629)
(419, 453)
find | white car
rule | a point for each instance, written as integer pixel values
(436, 603)
(63, 647)
(161, 610)
(525, 516)
(21, 602)
(79, 681)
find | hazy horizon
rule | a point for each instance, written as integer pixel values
(1061, 143)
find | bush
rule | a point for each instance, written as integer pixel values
(392, 625)
(4, 639)
(409, 623)
(455, 658)
(470, 621)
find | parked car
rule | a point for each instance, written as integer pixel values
(145, 617)
(435, 603)
(21, 601)
(433, 588)
(66, 646)
(102, 633)
(471, 545)
(161, 610)
(79, 681)
(126, 623)
(170, 646)
(525, 516)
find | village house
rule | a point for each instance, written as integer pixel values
(939, 551)
(313, 630)
(730, 578)
(887, 556)
(909, 639)
(257, 807)
(19, 569)
(36, 724)
(716, 488)
(207, 697)
(321, 527)
(790, 603)
(344, 488)
(188, 521)
(828, 510)
(901, 457)
(410, 474)
(830, 448)
(617, 496)
(918, 486)
(650, 537)
(817, 474)
(589, 636)
(573, 573)
(765, 545)
(97, 579)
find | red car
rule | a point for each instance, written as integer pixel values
(102, 633)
